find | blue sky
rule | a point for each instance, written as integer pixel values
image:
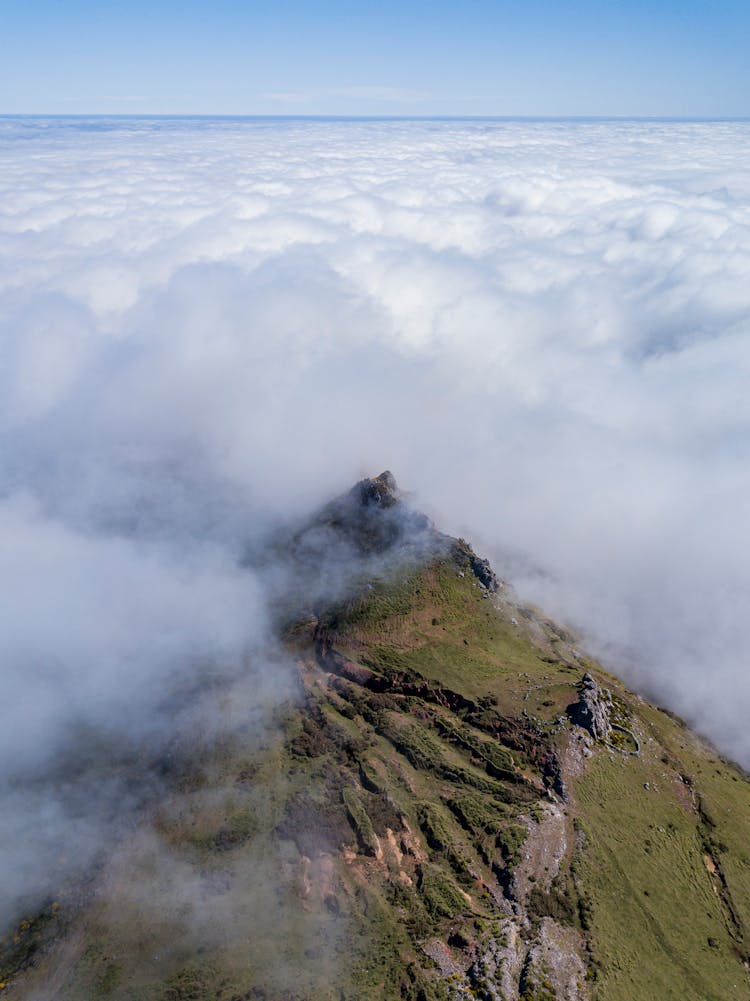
(479, 57)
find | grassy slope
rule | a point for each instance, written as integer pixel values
(659, 925)
(364, 831)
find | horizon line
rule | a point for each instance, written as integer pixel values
(372, 117)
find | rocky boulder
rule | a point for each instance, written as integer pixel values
(593, 709)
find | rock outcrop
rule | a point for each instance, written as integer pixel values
(380, 491)
(484, 573)
(593, 710)
(373, 518)
(481, 568)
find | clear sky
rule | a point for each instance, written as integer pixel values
(423, 57)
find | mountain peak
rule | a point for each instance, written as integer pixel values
(379, 491)
(373, 518)
(455, 803)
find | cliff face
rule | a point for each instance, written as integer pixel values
(456, 803)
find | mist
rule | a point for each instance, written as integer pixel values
(211, 327)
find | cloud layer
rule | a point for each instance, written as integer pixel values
(210, 326)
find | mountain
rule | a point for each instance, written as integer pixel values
(450, 800)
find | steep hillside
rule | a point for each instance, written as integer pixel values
(454, 802)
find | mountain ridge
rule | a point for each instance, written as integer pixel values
(456, 803)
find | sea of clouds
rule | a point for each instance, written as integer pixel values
(208, 327)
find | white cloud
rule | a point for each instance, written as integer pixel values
(541, 328)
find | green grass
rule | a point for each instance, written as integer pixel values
(360, 821)
(651, 892)
(318, 862)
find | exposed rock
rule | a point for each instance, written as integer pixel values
(441, 955)
(373, 517)
(543, 851)
(554, 967)
(380, 491)
(496, 972)
(484, 572)
(593, 709)
(481, 568)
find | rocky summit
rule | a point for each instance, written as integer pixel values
(452, 800)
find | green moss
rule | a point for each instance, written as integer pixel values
(191, 984)
(510, 840)
(360, 821)
(493, 756)
(478, 813)
(371, 777)
(435, 828)
(415, 742)
(439, 894)
(426, 753)
(437, 831)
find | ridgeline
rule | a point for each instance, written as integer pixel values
(455, 803)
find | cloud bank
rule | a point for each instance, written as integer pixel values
(209, 327)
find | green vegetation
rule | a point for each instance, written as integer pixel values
(30, 937)
(377, 839)
(643, 861)
(439, 894)
(192, 984)
(361, 822)
(495, 758)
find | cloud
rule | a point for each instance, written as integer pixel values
(210, 327)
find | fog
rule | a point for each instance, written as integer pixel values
(209, 328)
